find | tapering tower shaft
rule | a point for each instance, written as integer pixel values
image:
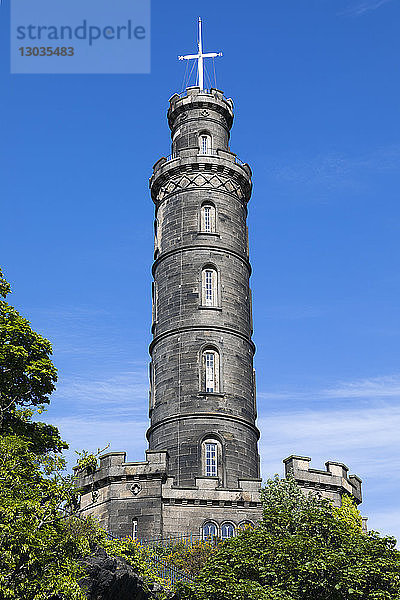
(202, 398)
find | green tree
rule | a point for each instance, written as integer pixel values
(40, 540)
(27, 378)
(38, 552)
(302, 550)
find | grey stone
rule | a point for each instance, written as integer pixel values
(111, 578)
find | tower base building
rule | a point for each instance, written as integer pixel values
(202, 469)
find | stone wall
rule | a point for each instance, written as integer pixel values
(332, 483)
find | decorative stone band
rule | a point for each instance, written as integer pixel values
(204, 415)
(197, 247)
(200, 180)
(215, 503)
(177, 501)
(195, 175)
(202, 328)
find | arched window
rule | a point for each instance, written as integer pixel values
(210, 370)
(244, 525)
(209, 530)
(207, 224)
(205, 143)
(211, 459)
(209, 284)
(227, 530)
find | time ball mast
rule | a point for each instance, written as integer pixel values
(200, 56)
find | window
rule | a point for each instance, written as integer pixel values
(209, 287)
(209, 359)
(205, 143)
(211, 459)
(245, 525)
(208, 218)
(210, 371)
(209, 531)
(227, 530)
(134, 529)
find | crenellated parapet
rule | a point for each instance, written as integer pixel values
(141, 498)
(198, 104)
(331, 483)
(119, 493)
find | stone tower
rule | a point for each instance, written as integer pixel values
(201, 474)
(202, 399)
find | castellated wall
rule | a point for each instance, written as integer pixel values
(119, 493)
(331, 484)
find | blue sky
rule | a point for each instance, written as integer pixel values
(316, 91)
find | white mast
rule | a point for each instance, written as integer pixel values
(200, 57)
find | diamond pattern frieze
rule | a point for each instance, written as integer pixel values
(206, 180)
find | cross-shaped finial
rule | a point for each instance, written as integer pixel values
(200, 56)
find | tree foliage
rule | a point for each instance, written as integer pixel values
(27, 378)
(303, 549)
(39, 544)
(191, 558)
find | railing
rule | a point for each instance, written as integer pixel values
(163, 569)
(168, 542)
(166, 571)
(187, 540)
(211, 152)
(208, 91)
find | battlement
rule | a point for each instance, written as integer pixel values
(195, 98)
(113, 467)
(332, 483)
(118, 492)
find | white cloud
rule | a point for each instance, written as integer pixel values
(124, 393)
(362, 7)
(334, 171)
(377, 387)
(387, 386)
(350, 432)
